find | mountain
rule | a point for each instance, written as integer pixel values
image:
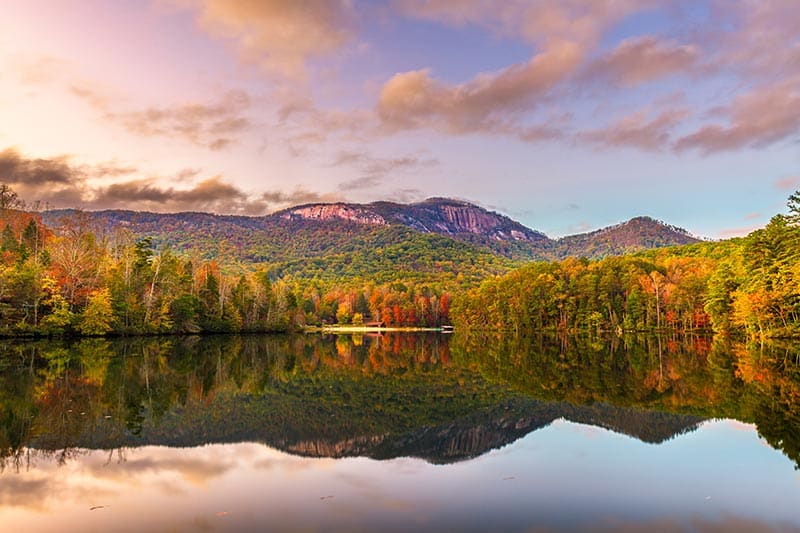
(457, 219)
(636, 234)
(327, 248)
(444, 216)
(439, 238)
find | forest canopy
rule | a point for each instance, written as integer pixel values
(75, 276)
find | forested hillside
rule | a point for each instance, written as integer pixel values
(640, 233)
(82, 275)
(73, 272)
(750, 285)
(286, 238)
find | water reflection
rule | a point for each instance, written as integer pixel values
(568, 423)
(566, 477)
(398, 395)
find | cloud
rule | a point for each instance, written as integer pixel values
(760, 40)
(563, 34)
(374, 169)
(109, 169)
(637, 130)
(280, 35)
(192, 469)
(303, 124)
(406, 196)
(764, 116)
(214, 125)
(17, 491)
(789, 183)
(17, 170)
(534, 21)
(277, 199)
(59, 183)
(642, 59)
(38, 70)
(209, 195)
(43, 180)
(737, 232)
(757, 45)
(357, 184)
(487, 103)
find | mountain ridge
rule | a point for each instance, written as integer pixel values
(445, 216)
(342, 237)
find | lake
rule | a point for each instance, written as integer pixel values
(424, 432)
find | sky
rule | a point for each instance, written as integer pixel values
(566, 115)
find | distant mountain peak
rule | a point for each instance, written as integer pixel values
(638, 233)
(650, 221)
(444, 216)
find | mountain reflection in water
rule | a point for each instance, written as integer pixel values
(73, 406)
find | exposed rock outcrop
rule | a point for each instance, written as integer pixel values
(333, 211)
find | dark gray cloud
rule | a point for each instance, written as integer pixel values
(47, 181)
(17, 170)
(57, 182)
(210, 195)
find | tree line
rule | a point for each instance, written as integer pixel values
(79, 278)
(749, 285)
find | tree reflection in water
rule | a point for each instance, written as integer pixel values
(438, 397)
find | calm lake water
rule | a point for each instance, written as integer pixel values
(421, 432)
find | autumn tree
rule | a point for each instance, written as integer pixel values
(98, 316)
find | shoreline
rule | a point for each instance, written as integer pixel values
(369, 329)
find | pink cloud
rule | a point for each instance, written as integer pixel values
(764, 116)
(280, 35)
(788, 184)
(643, 59)
(638, 131)
(415, 99)
(763, 41)
(215, 125)
(737, 232)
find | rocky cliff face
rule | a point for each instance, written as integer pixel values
(453, 218)
(435, 215)
(353, 447)
(348, 212)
